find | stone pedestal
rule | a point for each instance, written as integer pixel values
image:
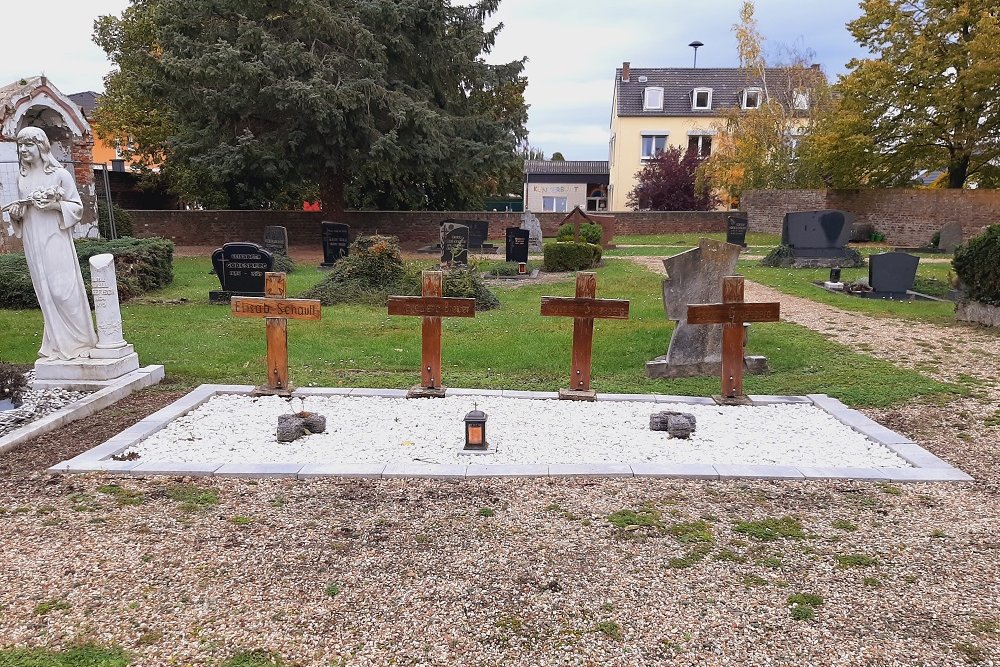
(662, 368)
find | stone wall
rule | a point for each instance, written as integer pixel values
(907, 217)
(414, 228)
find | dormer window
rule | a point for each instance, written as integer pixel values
(752, 98)
(800, 100)
(652, 98)
(701, 98)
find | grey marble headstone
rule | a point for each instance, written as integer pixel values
(530, 222)
(695, 276)
(892, 273)
(951, 237)
(819, 234)
(276, 239)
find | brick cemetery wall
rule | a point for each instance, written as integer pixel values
(907, 217)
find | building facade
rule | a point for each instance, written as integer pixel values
(560, 186)
(657, 107)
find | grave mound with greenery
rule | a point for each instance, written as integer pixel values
(977, 265)
(374, 270)
(784, 257)
(142, 265)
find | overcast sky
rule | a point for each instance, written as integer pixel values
(573, 48)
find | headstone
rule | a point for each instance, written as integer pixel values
(736, 230)
(695, 276)
(818, 238)
(336, 242)
(454, 243)
(951, 237)
(276, 240)
(479, 231)
(240, 267)
(530, 222)
(517, 244)
(891, 274)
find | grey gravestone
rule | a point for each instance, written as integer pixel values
(891, 274)
(530, 222)
(819, 238)
(517, 244)
(736, 230)
(336, 242)
(695, 276)
(276, 240)
(479, 231)
(951, 237)
(240, 267)
(454, 243)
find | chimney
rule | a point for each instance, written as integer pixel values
(625, 71)
(814, 66)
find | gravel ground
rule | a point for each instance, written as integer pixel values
(526, 572)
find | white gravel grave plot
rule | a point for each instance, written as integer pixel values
(37, 403)
(240, 428)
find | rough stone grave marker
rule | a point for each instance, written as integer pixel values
(530, 222)
(583, 308)
(336, 242)
(276, 239)
(695, 276)
(277, 310)
(736, 230)
(732, 314)
(950, 237)
(240, 267)
(454, 243)
(891, 275)
(431, 306)
(517, 244)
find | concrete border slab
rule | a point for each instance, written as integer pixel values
(259, 470)
(678, 470)
(357, 470)
(737, 471)
(507, 470)
(590, 470)
(427, 470)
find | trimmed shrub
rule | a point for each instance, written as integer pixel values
(589, 232)
(283, 263)
(141, 265)
(570, 256)
(977, 264)
(510, 269)
(123, 220)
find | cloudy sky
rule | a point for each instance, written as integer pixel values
(572, 46)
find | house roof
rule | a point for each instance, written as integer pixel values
(87, 101)
(566, 167)
(678, 83)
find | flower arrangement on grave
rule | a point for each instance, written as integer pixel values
(12, 384)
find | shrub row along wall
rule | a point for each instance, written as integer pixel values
(907, 217)
(414, 228)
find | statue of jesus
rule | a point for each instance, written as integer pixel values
(43, 217)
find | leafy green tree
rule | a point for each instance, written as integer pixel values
(925, 99)
(388, 103)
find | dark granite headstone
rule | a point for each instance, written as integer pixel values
(240, 268)
(517, 244)
(454, 243)
(817, 233)
(892, 273)
(336, 242)
(736, 230)
(276, 240)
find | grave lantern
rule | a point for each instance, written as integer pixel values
(835, 275)
(522, 268)
(475, 430)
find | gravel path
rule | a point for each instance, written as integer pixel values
(526, 572)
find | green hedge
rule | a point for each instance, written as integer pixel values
(570, 256)
(123, 220)
(977, 265)
(589, 232)
(142, 265)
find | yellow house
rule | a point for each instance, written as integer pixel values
(656, 107)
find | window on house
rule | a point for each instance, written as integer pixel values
(652, 98)
(653, 144)
(752, 98)
(701, 144)
(701, 98)
(800, 100)
(554, 204)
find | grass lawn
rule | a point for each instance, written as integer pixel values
(512, 347)
(690, 239)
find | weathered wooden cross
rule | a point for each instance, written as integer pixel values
(432, 307)
(732, 313)
(276, 310)
(583, 308)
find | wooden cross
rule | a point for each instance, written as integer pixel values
(276, 310)
(431, 306)
(732, 313)
(583, 308)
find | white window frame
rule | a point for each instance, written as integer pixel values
(555, 203)
(647, 102)
(800, 100)
(665, 134)
(694, 99)
(746, 96)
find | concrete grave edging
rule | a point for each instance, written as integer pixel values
(926, 466)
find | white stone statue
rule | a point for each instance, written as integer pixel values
(43, 217)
